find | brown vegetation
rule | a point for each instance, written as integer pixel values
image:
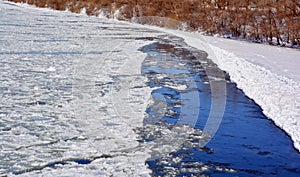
(259, 20)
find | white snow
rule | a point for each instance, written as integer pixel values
(270, 75)
(279, 60)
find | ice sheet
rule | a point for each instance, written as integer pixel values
(71, 94)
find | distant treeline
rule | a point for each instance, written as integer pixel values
(273, 21)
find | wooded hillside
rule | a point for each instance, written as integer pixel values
(257, 20)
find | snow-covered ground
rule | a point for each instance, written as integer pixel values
(270, 75)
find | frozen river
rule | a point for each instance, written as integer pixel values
(83, 96)
(61, 103)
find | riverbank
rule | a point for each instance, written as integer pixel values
(191, 90)
(267, 74)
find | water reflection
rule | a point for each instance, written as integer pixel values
(246, 144)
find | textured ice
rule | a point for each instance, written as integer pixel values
(73, 99)
(72, 94)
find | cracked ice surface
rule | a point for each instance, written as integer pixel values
(68, 84)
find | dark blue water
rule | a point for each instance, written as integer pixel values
(246, 142)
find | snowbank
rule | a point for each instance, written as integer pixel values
(269, 75)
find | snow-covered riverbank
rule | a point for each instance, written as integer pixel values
(73, 96)
(270, 75)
